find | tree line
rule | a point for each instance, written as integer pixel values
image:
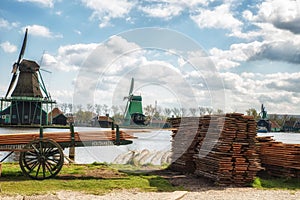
(279, 119)
(85, 113)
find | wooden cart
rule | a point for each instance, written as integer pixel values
(41, 154)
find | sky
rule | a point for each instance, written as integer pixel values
(224, 54)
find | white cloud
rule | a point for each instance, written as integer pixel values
(6, 24)
(68, 58)
(282, 14)
(226, 59)
(8, 48)
(220, 17)
(162, 10)
(44, 3)
(104, 11)
(250, 90)
(41, 31)
(167, 9)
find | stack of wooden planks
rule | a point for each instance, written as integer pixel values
(279, 159)
(24, 138)
(220, 147)
(184, 140)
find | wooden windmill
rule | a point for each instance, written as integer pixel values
(24, 94)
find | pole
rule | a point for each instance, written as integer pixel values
(117, 135)
(72, 146)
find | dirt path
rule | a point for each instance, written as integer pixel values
(216, 194)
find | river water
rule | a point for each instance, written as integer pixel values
(152, 145)
(156, 142)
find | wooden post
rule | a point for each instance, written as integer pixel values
(117, 135)
(41, 132)
(72, 146)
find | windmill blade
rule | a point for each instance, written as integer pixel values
(126, 109)
(41, 62)
(16, 65)
(23, 47)
(131, 87)
(11, 84)
(45, 71)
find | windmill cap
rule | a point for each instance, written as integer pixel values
(136, 98)
(29, 66)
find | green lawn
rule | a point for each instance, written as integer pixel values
(268, 182)
(100, 178)
(93, 178)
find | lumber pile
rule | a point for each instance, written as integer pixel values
(24, 138)
(222, 148)
(279, 159)
(184, 140)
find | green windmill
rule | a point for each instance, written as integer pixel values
(133, 114)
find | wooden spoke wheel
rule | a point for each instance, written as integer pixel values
(42, 159)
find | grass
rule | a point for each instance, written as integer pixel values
(96, 178)
(267, 182)
(100, 178)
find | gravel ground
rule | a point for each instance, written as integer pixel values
(216, 194)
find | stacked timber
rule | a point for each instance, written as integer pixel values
(223, 148)
(280, 159)
(184, 140)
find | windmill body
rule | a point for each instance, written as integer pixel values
(24, 100)
(134, 109)
(133, 116)
(134, 113)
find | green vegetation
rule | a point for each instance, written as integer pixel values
(96, 178)
(100, 178)
(276, 183)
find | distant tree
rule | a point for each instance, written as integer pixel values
(70, 107)
(219, 111)
(115, 110)
(176, 112)
(98, 108)
(183, 112)
(193, 111)
(167, 112)
(64, 107)
(157, 113)
(105, 109)
(209, 110)
(149, 111)
(202, 110)
(79, 107)
(89, 107)
(252, 112)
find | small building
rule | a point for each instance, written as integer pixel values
(57, 117)
(275, 127)
(291, 125)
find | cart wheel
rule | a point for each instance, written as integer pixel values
(43, 159)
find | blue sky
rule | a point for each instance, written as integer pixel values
(250, 51)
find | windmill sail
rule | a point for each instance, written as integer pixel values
(16, 65)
